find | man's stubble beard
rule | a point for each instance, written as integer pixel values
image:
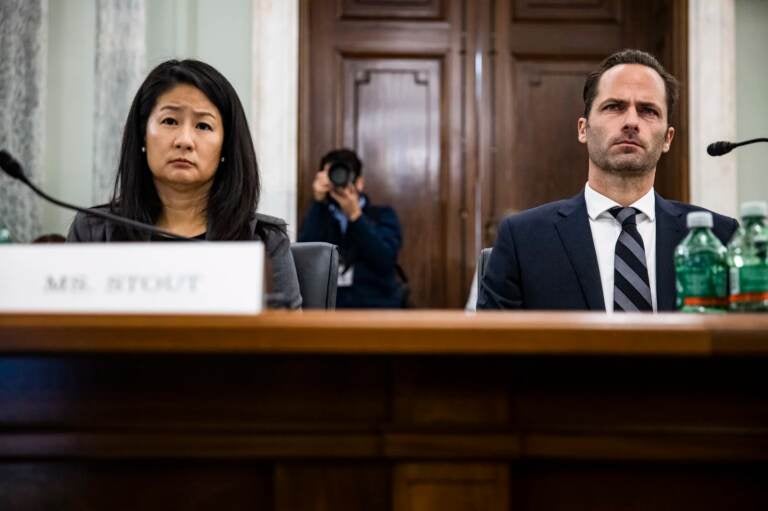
(618, 164)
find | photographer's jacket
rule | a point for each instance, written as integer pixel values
(369, 245)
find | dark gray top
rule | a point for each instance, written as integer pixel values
(277, 246)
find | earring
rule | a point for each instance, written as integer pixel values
(143, 149)
(222, 159)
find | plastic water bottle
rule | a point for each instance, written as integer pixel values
(747, 260)
(5, 234)
(701, 269)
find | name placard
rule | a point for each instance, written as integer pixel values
(145, 278)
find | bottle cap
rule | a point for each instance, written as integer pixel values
(754, 208)
(699, 219)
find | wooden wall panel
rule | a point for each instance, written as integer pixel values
(110, 391)
(393, 9)
(132, 485)
(427, 394)
(638, 487)
(451, 487)
(558, 10)
(333, 486)
(392, 116)
(671, 45)
(544, 164)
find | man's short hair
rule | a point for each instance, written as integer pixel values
(346, 156)
(630, 56)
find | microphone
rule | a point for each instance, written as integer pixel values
(720, 148)
(12, 167)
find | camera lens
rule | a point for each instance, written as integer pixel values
(339, 174)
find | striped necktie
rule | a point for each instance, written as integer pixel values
(631, 288)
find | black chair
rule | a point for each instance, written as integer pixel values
(317, 266)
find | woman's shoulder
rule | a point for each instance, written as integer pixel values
(269, 226)
(87, 227)
(273, 231)
(270, 221)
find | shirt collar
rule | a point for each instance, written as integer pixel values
(598, 204)
(341, 217)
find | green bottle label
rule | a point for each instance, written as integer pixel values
(749, 283)
(706, 287)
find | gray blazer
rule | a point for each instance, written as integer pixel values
(277, 246)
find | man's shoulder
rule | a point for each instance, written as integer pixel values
(722, 225)
(544, 213)
(686, 208)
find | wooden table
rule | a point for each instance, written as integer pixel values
(412, 410)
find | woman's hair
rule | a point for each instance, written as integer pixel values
(234, 193)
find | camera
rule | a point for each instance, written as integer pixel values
(340, 174)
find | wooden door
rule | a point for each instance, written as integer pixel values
(385, 79)
(540, 56)
(463, 111)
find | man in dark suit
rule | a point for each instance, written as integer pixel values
(611, 246)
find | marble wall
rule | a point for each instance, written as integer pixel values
(119, 69)
(274, 107)
(712, 93)
(23, 47)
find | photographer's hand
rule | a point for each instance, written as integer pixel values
(321, 185)
(349, 200)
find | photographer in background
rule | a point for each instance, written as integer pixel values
(368, 236)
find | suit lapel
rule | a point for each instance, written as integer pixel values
(670, 229)
(573, 228)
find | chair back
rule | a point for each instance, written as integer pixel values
(317, 266)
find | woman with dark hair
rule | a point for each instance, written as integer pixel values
(188, 166)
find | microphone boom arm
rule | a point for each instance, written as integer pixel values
(722, 147)
(752, 141)
(106, 216)
(13, 169)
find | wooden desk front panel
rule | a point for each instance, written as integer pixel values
(288, 432)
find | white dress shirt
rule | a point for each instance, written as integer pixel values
(606, 230)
